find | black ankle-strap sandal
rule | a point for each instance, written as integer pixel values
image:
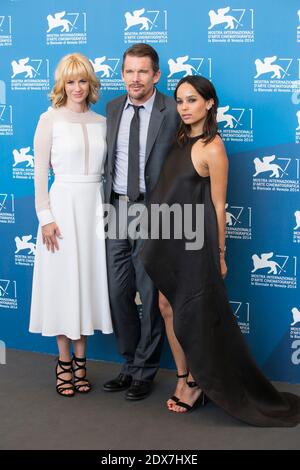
(179, 376)
(200, 399)
(79, 363)
(64, 384)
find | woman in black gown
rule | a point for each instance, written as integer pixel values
(206, 341)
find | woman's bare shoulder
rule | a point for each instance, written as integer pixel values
(215, 147)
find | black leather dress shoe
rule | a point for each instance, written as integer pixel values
(122, 382)
(138, 390)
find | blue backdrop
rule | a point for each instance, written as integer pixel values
(250, 50)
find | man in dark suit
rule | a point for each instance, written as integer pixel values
(141, 127)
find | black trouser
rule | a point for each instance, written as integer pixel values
(140, 338)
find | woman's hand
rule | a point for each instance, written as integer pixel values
(50, 233)
(223, 266)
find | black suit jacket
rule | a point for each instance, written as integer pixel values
(162, 129)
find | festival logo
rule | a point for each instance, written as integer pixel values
(295, 335)
(7, 208)
(297, 216)
(221, 19)
(108, 70)
(242, 312)
(5, 30)
(296, 228)
(23, 163)
(66, 28)
(8, 294)
(24, 243)
(273, 270)
(231, 25)
(143, 25)
(6, 119)
(182, 66)
(276, 74)
(272, 173)
(235, 124)
(30, 74)
(238, 222)
(296, 316)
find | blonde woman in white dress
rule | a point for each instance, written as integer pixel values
(70, 293)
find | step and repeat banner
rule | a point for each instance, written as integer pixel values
(250, 51)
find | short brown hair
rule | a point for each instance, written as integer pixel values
(143, 50)
(69, 67)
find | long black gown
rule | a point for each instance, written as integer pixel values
(204, 323)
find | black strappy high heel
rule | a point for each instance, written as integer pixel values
(200, 399)
(79, 363)
(174, 398)
(66, 367)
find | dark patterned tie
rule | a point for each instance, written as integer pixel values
(133, 179)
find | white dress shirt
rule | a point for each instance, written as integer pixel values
(121, 157)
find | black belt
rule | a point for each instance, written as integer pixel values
(124, 197)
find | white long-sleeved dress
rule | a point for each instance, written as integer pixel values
(70, 291)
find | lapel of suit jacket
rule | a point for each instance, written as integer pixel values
(115, 119)
(155, 122)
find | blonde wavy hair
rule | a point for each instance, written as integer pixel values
(70, 67)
